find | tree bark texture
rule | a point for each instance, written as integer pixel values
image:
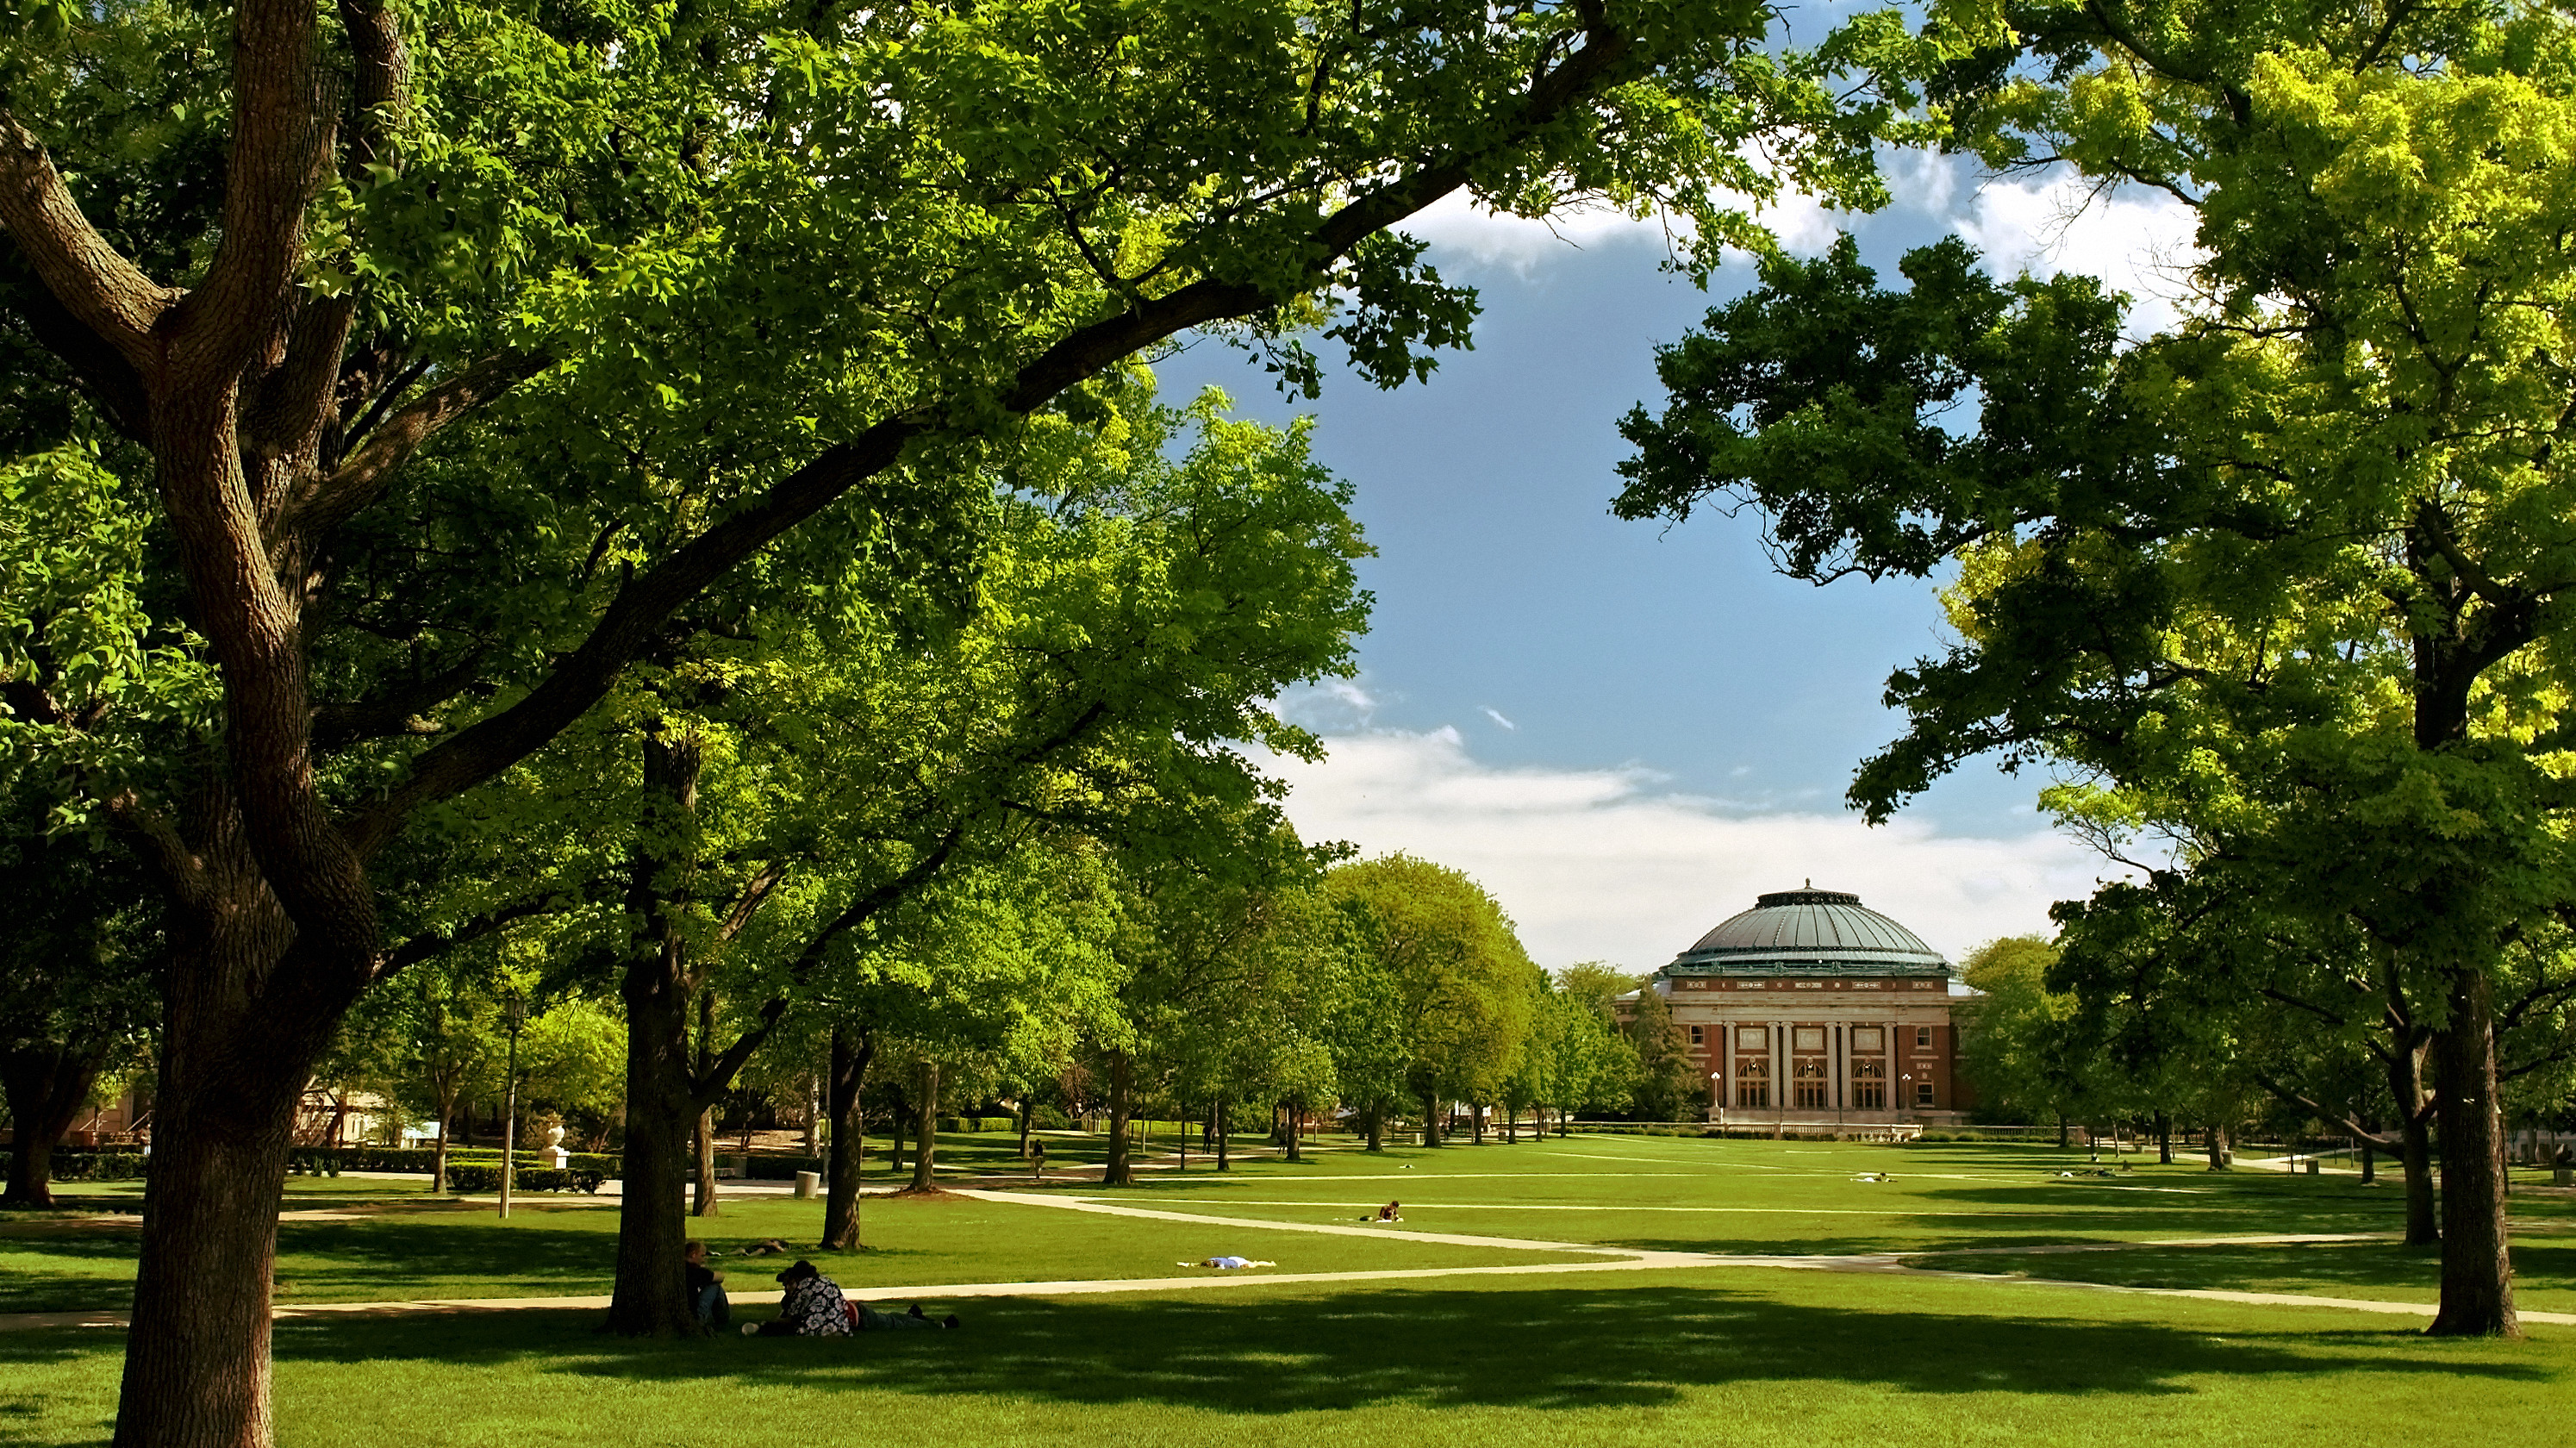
(2477, 1265)
(847, 1076)
(925, 1130)
(47, 1084)
(2164, 1139)
(1292, 1117)
(1120, 1171)
(1430, 1119)
(1373, 1123)
(2217, 1143)
(662, 1091)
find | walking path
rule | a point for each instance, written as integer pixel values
(1613, 1259)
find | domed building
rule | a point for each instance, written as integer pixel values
(1810, 1012)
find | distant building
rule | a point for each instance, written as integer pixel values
(1808, 1012)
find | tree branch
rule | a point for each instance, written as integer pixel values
(636, 616)
(281, 138)
(712, 1082)
(336, 497)
(96, 286)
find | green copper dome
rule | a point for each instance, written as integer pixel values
(1808, 932)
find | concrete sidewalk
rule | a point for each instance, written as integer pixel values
(1617, 1259)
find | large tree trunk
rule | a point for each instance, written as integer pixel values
(1028, 1122)
(47, 1084)
(1120, 1171)
(1430, 1118)
(2164, 1139)
(2216, 1140)
(651, 1297)
(2477, 1267)
(1373, 1122)
(851, 1051)
(196, 1359)
(1475, 1124)
(1293, 1115)
(1224, 1160)
(925, 1128)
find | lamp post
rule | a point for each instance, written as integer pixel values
(510, 1111)
(1717, 1093)
(1904, 1089)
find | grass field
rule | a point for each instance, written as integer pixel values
(1736, 1355)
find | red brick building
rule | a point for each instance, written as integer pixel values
(1808, 1012)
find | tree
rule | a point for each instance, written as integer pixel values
(1667, 1078)
(2283, 569)
(1457, 968)
(742, 283)
(1598, 1069)
(97, 688)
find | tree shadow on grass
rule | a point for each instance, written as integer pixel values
(1523, 1348)
(2350, 1269)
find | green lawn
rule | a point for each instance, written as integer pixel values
(565, 1247)
(1738, 1357)
(2544, 1269)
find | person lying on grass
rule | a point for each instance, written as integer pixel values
(706, 1288)
(1225, 1264)
(813, 1306)
(871, 1320)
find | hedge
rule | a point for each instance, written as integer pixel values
(471, 1179)
(331, 1161)
(92, 1164)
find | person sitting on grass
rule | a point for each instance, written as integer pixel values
(871, 1320)
(1391, 1212)
(706, 1288)
(813, 1307)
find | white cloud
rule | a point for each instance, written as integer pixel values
(1497, 716)
(1328, 705)
(1461, 231)
(2137, 241)
(1602, 864)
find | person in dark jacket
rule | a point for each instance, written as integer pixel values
(706, 1289)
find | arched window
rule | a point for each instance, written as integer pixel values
(1869, 1086)
(1753, 1084)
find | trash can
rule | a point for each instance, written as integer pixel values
(808, 1183)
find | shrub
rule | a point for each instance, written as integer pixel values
(477, 1179)
(94, 1164)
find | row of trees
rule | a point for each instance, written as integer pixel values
(2281, 592)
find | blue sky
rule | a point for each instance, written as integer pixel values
(1625, 730)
